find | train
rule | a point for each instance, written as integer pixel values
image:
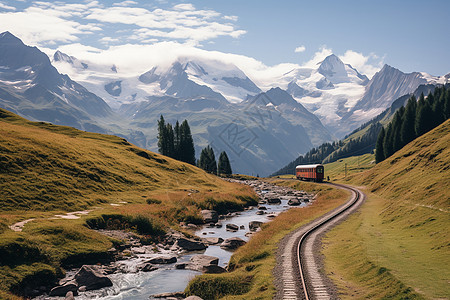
(310, 172)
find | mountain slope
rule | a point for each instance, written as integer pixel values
(397, 243)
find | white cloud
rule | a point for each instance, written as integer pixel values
(7, 7)
(125, 3)
(300, 49)
(231, 18)
(367, 65)
(184, 6)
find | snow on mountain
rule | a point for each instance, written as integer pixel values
(386, 85)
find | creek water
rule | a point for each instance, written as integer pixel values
(135, 285)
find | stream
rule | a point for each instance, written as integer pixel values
(131, 283)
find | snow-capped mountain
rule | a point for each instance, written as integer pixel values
(386, 85)
(185, 78)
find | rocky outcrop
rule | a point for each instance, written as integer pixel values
(210, 216)
(92, 278)
(161, 260)
(232, 243)
(188, 245)
(254, 225)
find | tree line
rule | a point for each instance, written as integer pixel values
(177, 142)
(412, 121)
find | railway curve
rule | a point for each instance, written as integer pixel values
(298, 269)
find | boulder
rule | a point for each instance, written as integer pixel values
(209, 216)
(148, 268)
(213, 240)
(163, 260)
(262, 207)
(69, 296)
(204, 260)
(232, 243)
(273, 200)
(92, 278)
(193, 298)
(233, 227)
(188, 245)
(62, 290)
(294, 202)
(242, 227)
(260, 212)
(254, 225)
(218, 225)
(213, 269)
(181, 266)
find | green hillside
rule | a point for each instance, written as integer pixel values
(397, 246)
(47, 170)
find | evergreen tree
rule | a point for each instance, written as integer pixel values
(177, 141)
(224, 166)
(396, 128)
(207, 160)
(170, 150)
(162, 136)
(379, 153)
(418, 124)
(447, 104)
(187, 150)
(424, 118)
(408, 132)
(388, 144)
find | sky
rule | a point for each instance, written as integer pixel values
(259, 36)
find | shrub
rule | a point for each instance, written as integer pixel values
(210, 287)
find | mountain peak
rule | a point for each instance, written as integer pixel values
(9, 39)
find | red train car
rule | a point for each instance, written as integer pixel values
(310, 172)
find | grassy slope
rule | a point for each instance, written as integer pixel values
(399, 239)
(47, 169)
(253, 263)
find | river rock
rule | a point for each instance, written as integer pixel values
(181, 266)
(188, 245)
(193, 298)
(260, 212)
(210, 216)
(163, 260)
(294, 202)
(213, 240)
(254, 225)
(213, 269)
(69, 296)
(232, 243)
(62, 290)
(262, 207)
(232, 227)
(148, 268)
(200, 261)
(92, 278)
(273, 200)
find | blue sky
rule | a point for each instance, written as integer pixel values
(409, 35)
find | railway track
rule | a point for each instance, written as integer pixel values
(301, 278)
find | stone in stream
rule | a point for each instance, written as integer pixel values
(273, 200)
(62, 290)
(148, 268)
(262, 207)
(233, 227)
(162, 260)
(210, 216)
(188, 245)
(213, 240)
(92, 278)
(193, 298)
(232, 243)
(213, 269)
(294, 202)
(204, 260)
(69, 296)
(260, 212)
(254, 225)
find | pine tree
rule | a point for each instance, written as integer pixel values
(170, 150)
(379, 153)
(447, 104)
(424, 119)
(177, 141)
(408, 132)
(224, 166)
(396, 128)
(187, 150)
(162, 136)
(207, 160)
(388, 145)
